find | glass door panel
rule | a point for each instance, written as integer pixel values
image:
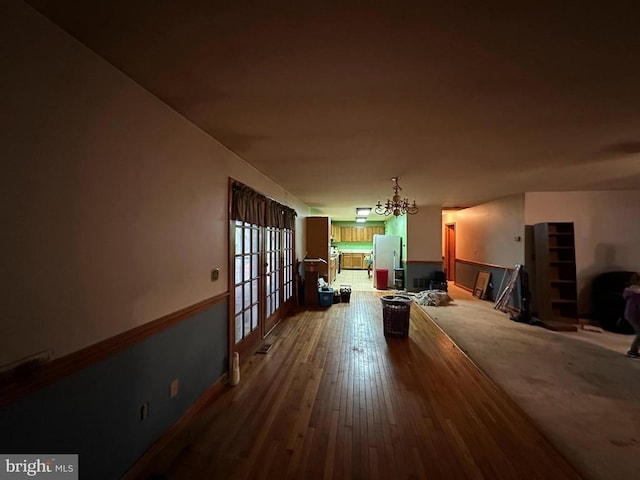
(246, 280)
(288, 264)
(272, 276)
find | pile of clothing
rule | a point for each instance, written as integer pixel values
(433, 298)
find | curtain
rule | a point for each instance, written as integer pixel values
(252, 207)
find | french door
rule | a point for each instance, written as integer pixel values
(263, 281)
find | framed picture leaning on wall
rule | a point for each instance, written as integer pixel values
(480, 287)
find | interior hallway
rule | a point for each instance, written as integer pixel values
(334, 398)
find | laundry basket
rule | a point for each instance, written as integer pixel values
(396, 310)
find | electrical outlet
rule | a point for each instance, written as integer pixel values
(173, 391)
(215, 274)
(144, 411)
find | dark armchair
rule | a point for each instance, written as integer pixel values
(607, 302)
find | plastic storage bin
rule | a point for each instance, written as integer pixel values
(396, 310)
(326, 297)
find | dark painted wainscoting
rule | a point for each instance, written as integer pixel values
(419, 274)
(95, 412)
(467, 272)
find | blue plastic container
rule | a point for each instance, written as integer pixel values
(326, 297)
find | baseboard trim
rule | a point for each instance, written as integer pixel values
(144, 463)
(463, 287)
(19, 382)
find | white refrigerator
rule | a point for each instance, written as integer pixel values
(387, 251)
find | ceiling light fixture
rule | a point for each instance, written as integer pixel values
(361, 219)
(363, 211)
(396, 206)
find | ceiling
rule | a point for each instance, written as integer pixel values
(464, 102)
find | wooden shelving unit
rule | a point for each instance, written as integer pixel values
(557, 297)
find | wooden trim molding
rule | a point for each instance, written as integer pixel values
(423, 262)
(144, 464)
(21, 381)
(482, 264)
(463, 287)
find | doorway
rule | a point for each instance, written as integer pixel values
(263, 278)
(450, 251)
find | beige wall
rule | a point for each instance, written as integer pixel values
(607, 229)
(424, 236)
(115, 206)
(487, 233)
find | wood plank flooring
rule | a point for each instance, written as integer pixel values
(335, 399)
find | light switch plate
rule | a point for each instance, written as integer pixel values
(215, 274)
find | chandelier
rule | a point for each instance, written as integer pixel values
(397, 206)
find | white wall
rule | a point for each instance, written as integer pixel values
(115, 207)
(486, 233)
(607, 229)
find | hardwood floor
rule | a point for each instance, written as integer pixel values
(335, 399)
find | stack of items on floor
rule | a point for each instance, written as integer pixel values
(328, 296)
(343, 294)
